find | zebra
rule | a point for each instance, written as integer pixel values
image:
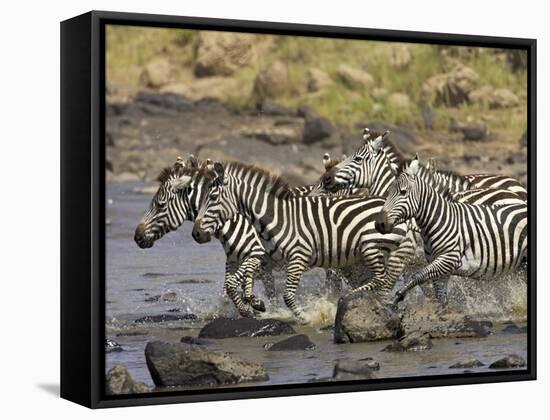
(463, 239)
(181, 190)
(304, 231)
(363, 169)
(375, 166)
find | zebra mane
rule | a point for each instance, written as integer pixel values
(178, 170)
(276, 185)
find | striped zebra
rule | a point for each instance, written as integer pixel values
(305, 231)
(368, 168)
(462, 239)
(376, 164)
(181, 190)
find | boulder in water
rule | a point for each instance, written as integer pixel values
(508, 362)
(181, 364)
(414, 341)
(355, 369)
(118, 381)
(296, 342)
(466, 364)
(363, 316)
(112, 346)
(245, 327)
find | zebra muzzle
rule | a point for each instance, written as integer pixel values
(140, 237)
(382, 223)
(200, 235)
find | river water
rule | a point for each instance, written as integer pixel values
(188, 278)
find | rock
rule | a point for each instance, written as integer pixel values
(165, 100)
(154, 298)
(165, 318)
(399, 100)
(364, 317)
(244, 327)
(317, 80)
(503, 98)
(306, 111)
(466, 364)
(511, 361)
(471, 131)
(398, 55)
(297, 342)
(276, 135)
(118, 381)
(210, 87)
(511, 328)
(223, 53)
(268, 107)
(354, 78)
(452, 88)
(112, 346)
(181, 364)
(193, 340)
(352, 370)
(414, 341)
(379, 93)
(480, 95)
(170, 297)
(426, 319)
(157, 73)
(272, 81)
(316, 129)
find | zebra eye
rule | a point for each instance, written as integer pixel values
(402, 192)
(357, 159)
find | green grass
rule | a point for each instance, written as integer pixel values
(130, 48)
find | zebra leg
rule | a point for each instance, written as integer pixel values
(442, 266)
(374, 260)
(247, 272)
(295, 270)
(231, 287)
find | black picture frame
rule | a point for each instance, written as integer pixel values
(83, 207)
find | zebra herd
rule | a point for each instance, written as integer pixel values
(366, 215)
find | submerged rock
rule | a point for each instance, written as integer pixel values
(355, 369)
(181, 364)
(193, 340)
(165, 318)
(118, 381)
(297, 342)
(112, 346)
(414, 341)
(467, 363)
(364, 317)
(170, 297)
(244, 327)
(511, 361)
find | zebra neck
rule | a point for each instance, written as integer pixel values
(434, 212)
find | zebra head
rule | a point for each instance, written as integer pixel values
(402, 200)
(176, 200)
(217, 207)
(368, 167)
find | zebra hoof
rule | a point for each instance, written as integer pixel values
(246, 313)
(258, 304)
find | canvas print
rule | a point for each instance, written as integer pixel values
(287, 210)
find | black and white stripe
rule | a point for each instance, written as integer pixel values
(464, 239)
(304, 231)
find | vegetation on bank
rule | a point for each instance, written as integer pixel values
(396, 94)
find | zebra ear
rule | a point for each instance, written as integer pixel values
(366, 134)
(378, 144)
(180, 182)
(192, 162)
(179, 162)
(327, 161)
(413, 167)
(218, 168)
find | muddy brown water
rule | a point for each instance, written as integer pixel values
(135, 278)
